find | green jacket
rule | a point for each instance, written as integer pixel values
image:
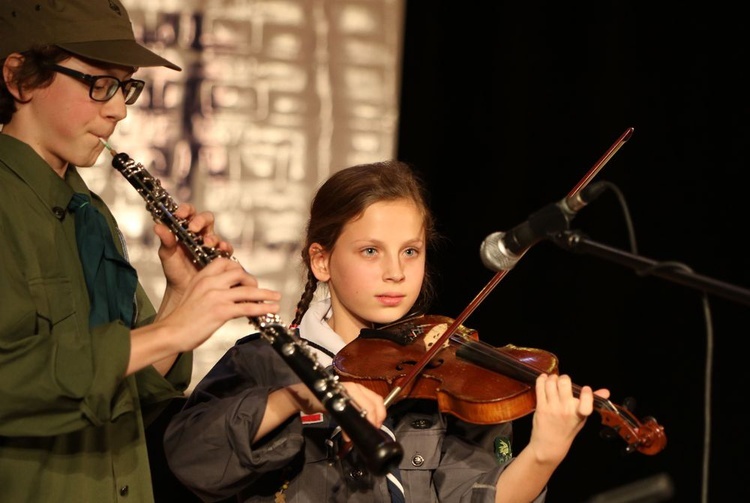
(71, 428)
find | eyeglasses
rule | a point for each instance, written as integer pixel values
(104, 87)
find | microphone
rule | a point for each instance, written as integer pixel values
(501, 251)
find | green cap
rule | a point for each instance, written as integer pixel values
(95, 29)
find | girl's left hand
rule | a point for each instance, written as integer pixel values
(559, 416)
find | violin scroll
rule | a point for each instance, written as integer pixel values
(646, 437)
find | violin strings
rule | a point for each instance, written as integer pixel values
(529, 371)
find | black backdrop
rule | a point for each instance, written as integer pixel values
(504, 108)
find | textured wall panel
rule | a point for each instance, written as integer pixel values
(273, 97)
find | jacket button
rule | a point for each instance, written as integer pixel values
(356, 474)
(417, 460)
(421, 424)
(59, 212)
(124, 490)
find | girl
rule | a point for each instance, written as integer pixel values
(250, 429)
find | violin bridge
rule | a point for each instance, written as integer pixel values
(434, 335)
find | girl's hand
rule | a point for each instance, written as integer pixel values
(559, 416)
(369, 401)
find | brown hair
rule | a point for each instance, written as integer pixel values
(32, 73)
(345, 196)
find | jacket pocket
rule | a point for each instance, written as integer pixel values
(58, 321)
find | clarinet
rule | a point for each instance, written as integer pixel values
(378, 451)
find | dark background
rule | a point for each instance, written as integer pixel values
(504, 108)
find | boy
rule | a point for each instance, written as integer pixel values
(86, 362)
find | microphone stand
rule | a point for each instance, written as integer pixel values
(576, 242)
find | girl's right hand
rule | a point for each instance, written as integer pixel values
(369, 401)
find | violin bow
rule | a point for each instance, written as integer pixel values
(574, 194)
(572, 201)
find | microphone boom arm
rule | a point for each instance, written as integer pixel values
(576, 242)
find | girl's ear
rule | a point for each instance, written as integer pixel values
(319, 262)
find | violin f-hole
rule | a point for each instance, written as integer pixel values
(433, 364)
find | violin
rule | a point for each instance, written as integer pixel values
(469, 379)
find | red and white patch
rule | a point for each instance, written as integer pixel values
(311, 418)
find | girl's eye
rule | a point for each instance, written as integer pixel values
(411, 252)
(369, 251)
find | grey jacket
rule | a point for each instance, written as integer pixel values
(208, 444)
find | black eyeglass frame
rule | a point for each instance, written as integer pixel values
(131, 88)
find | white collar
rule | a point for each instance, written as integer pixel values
(314, 327)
